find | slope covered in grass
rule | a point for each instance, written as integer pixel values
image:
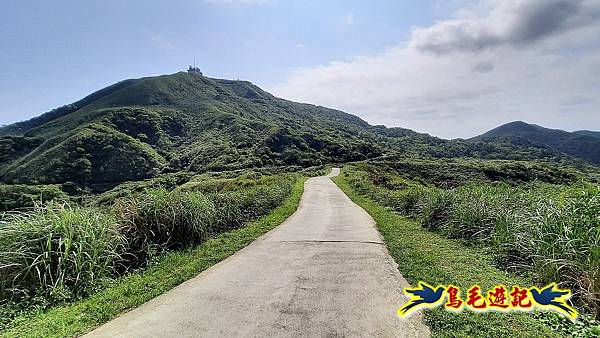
(431, 256)
(180, 122)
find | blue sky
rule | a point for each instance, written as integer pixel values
(391, 62)
(54, 52)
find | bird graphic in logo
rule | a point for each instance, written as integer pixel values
(424, 295)
(552, 297)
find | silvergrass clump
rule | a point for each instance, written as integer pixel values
(553, 234)
(57, 251)
(407, 201)
(435, 208)
(159, 220)
(548, 232)
(565, 242)
(477, 210)
(234, 208)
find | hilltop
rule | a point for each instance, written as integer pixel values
(583, 144)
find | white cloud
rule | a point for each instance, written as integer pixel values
(516, 23)
(494, 62)
(161, 42)
(348, 19)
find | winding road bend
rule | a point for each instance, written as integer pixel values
(323, 272)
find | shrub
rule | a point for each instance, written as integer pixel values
(237, 207)
(477, 210)
(230, 214)
(57, 250)
(261, 200)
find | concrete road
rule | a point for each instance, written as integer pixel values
(324, 272)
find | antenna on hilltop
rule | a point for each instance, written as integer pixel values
(194, 69)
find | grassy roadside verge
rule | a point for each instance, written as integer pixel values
(134, 290)
(424, 255)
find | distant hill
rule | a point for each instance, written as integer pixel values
(582, 144)
(140, 128)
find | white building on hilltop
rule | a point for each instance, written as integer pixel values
(194, 70)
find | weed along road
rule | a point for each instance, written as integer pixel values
(324, 272)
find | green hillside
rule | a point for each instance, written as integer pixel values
(140, 128)
(582, 144)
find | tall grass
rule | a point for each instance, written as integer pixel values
(565, 241)
(158, 220)
(234, 208)
(57, 251)
(550, 232)
(61, 251)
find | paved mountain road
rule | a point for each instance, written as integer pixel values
(323, 272)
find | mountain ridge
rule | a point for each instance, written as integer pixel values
(139, 128)
(174, 115)
(583, 144)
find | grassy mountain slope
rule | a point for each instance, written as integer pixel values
(22, 127)
(139, 128)
(582, 144)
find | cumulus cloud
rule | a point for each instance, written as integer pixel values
(535, 60)
(515, 23)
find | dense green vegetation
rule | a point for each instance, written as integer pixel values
(57, 249)
(434, 256)
(19, 196)
(62, 252)
(551, 232)
(547, 231)
(453, 172)
(180, 122)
